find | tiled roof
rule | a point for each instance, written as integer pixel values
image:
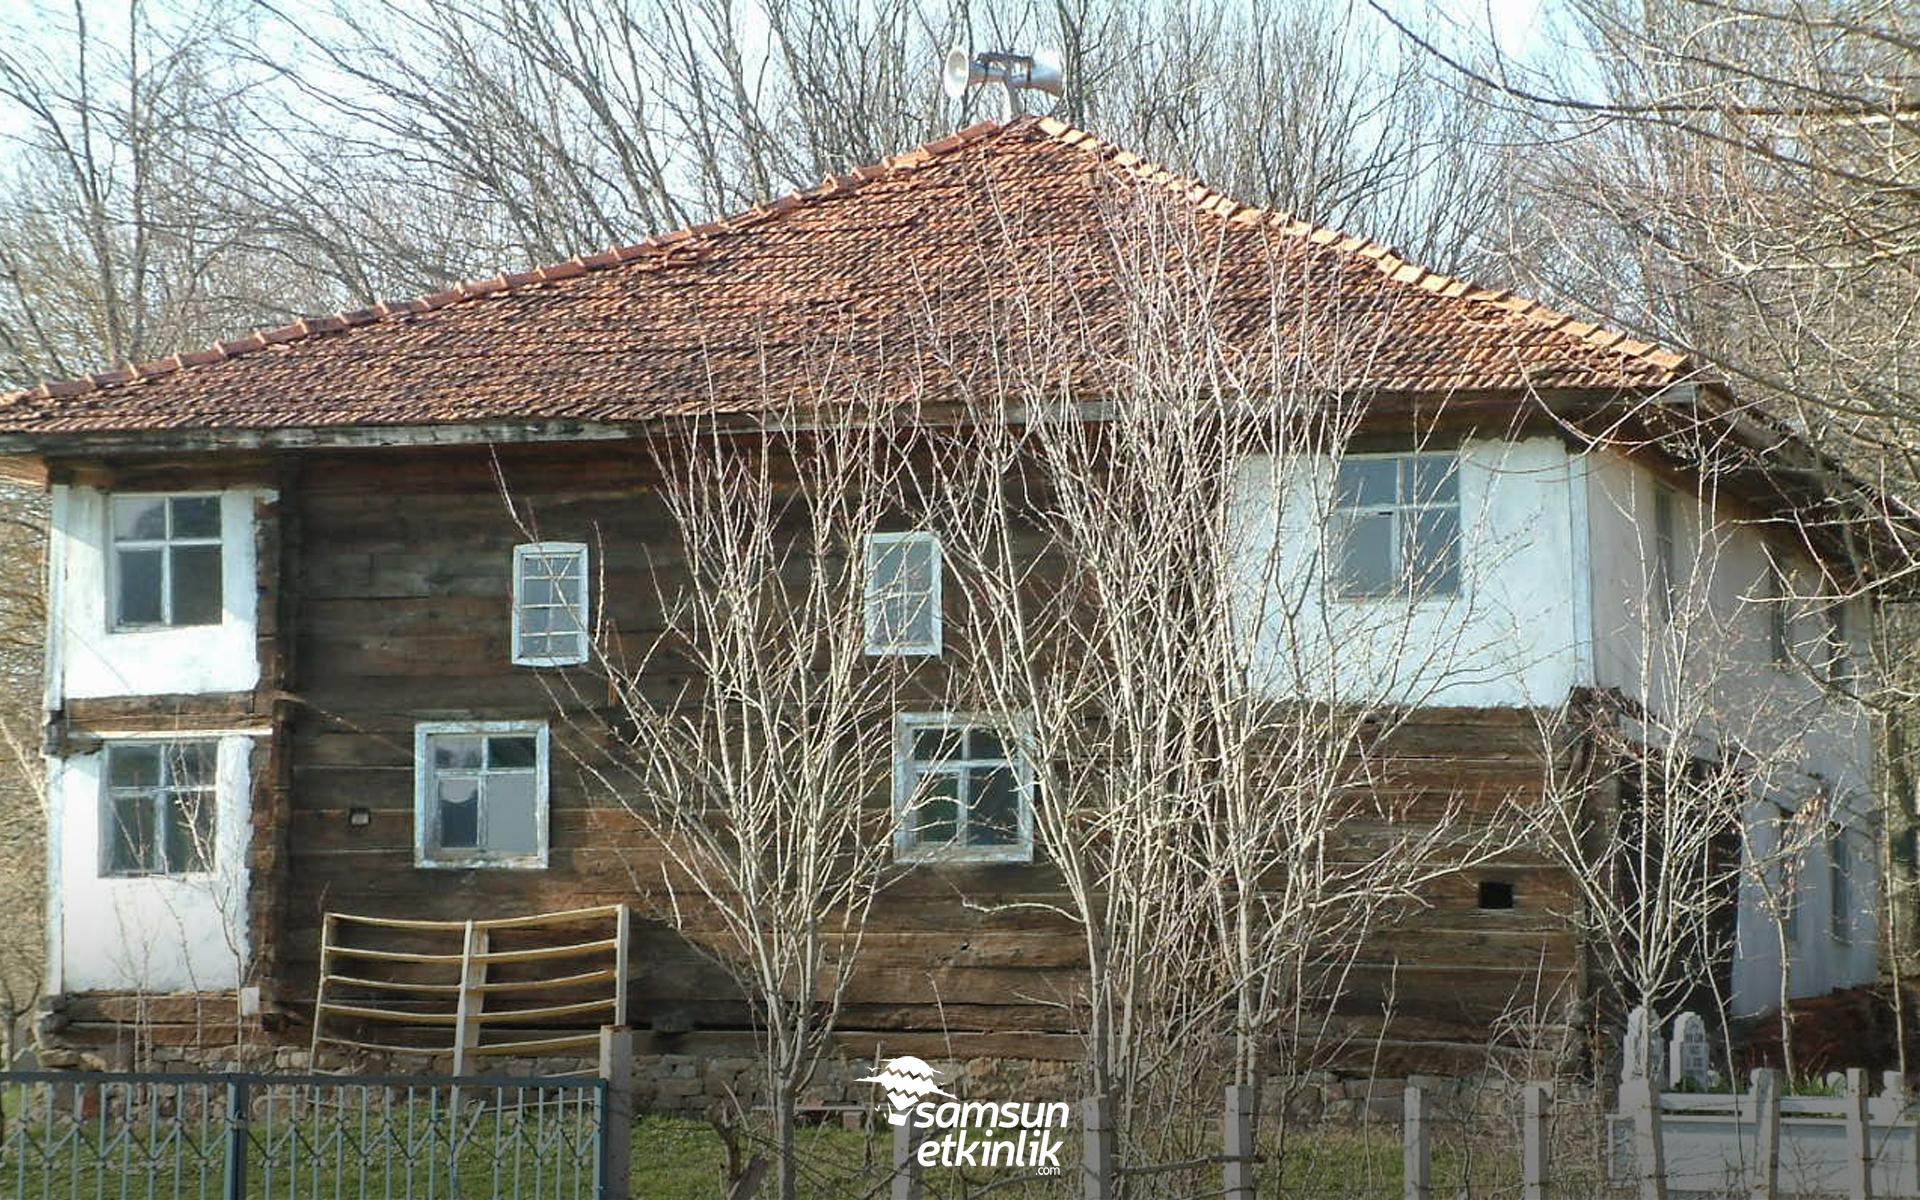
(896, 276)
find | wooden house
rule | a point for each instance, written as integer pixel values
(289, 609)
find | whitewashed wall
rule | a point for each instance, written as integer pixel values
(153, 934)
(1510, 638)
(1711, 669)
(1557, 575)
(89, 659)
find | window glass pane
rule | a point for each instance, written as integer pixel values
(190, 764)
(538, 645)
(985, 743)
(196, 516)
(908, 620)
(934, 817)
(1369, 565)
(537, 589)
(1366, 482)
(509, 753)
(1433, 550)
(139, 518)
(993, 808)
(452, 751)
(190, 831)
(196, 585)
(130, 833)
(133, 766)
(535, 620)
(1432, 479)
(459, 813)
(936, 743)
(139, 585)
(510, 818)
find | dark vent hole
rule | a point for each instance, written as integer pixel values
(1496, 893)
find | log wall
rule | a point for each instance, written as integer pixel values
(385, 580)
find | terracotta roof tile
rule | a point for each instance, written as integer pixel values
(754, 312)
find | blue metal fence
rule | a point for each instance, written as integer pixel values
(87, 1136)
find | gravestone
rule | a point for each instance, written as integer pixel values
(1641, 1057)
(1688, 1060)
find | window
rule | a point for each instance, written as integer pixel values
(166, 561)
(158, 817)
(1666, 554)
(962, 791)
(550, 604)
(480, 794)
(1779, 617)
(1839, 650)
(1840, 886)
(1397, 525)
(903, 593)
(1496, 893)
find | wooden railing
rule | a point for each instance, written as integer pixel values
(503, 986)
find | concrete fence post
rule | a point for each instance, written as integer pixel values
(1096, 1150)
(905, 1184)
(1859, 1145)
(1533, 1141)
(616, 1113)
(1237, 1143)
(1641, 1098)
(1765, 1090)
(1418, 1169)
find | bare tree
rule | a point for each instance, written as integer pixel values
(748, 729)
(1147, 599)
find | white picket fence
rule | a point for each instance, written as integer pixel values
(1761, 1144)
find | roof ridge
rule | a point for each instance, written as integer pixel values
(1385, 259)
(659, 245)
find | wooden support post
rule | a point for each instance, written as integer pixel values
(1237, 1139)
(1533, 1142)
(616, 1113)
(1859, 1147)
(905, 1184)
(1096, 1150)
(1765, 1090)
(1418, 1169)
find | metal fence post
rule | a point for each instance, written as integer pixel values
(239, 1106)
(905, 1184)
(1096, 1150)
(1418, 1170)
(1533, 1142)
(1859, 1147)
(1765, 1088)
(616, 1112)
(1237, 1136)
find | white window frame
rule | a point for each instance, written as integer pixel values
(1014, 735)
(582, 642)
(106, 808)
(425, 797)
(872, 596)
(164, 545)
(1403, 588)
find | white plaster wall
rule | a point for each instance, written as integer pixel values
(90, 659)
(1510, 638)
(153, 934)
(1710, 671)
